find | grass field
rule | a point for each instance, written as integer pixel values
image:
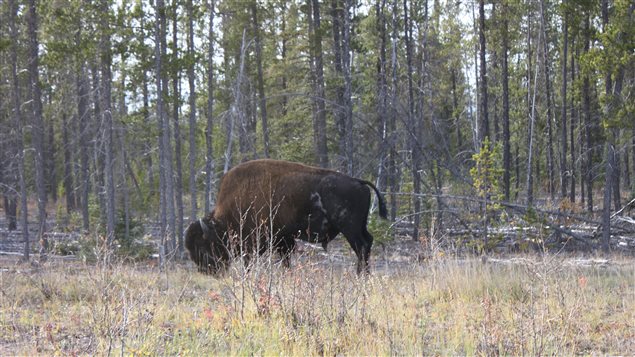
(527, 305)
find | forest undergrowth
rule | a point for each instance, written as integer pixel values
(531, 305)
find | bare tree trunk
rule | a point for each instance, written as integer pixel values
(146, 104)
(192, 103)
(209, 128)
(427, 110)
(283, 54)
(610, 164)
(50, 177)
(261, 83)
(393, 169)
(506, 133)
(608, 185)
(38, 125)
(571, 127)
(476, 125)
(517, 167)
(531, 101)
(98, 154)
(382, 95)
(586, 98)
(545, 58)
(106, 60)
(348, 86)
(69, 191)
(627, 169)
(237, 107)
(120, 137)
(165, 171)
(564, 173)
(176, 104)
(412, 123)
(455, 110)
(8, 171)
(339, 105)
(11, 210)
(615, 133)
(84, 139)
(484, 132)
(319, 124)
(242, 116)
(17, 119)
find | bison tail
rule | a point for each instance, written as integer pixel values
(383, 212)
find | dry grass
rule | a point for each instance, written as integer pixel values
(534, 306)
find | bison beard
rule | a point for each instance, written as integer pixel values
(264, 201)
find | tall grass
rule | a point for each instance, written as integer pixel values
(533, 306)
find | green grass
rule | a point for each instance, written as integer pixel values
(535, 306)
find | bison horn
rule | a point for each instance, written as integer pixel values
(204, 226)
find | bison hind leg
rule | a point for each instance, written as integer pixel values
(361, 241)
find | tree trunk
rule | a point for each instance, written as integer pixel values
(120, 136)
(176, 104)
(484, 132)
(69, 191)
(238, 110)
(586, 97)
(209, 127)
(412, 123)
(146, 102)
(545, 58)
(8, 171)
(241, 110)
(37, 125)
(608, 185)
(107, 121)
(283, 54)
(192, 103)
(339, 105)
(394, 172)
(17, 119)
(517, 167)
(476, 124)
(505, 79)
(531, 101)
(455, 110)
(382, 95)
(574, 119)
(50, 176)
(11, 211)
(319, 124)
(98, 154)
(615, 133)
(85, 135)
(164, 148)
(348, 86)
(564, 173)
(420, 116)
(627, 168)
(262, 99)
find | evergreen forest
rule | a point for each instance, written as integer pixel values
(472, 117)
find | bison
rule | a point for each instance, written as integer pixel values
(270, 201)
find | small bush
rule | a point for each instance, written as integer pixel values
(132, 245)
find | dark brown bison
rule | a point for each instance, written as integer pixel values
(273, 201)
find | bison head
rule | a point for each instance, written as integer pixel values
(205, 241)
